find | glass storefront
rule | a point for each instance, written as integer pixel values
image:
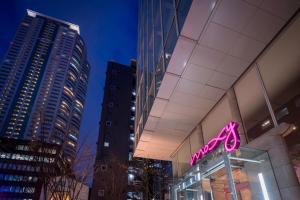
(245, 174)
(266, 96)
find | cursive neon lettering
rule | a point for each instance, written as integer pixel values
(229, 135)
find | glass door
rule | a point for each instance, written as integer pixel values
(245, 174)
(215, 185)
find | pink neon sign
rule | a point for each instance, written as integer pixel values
(229, 135)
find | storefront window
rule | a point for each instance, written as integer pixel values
(244, 174)
(252, 105)
(280, 70)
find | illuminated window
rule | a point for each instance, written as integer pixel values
(132, 138)
(106, 144)
(71, 143)
(72, 136)
(130, 177)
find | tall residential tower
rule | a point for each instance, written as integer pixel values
(117, 174)
(43, 82)
(116, 134)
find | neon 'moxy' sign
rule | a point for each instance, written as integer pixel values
(229, 135)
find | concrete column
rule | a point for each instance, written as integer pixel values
(235, 113)
(285, 175)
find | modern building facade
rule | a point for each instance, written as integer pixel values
(23, 167)
(43, 82)
(218, 94)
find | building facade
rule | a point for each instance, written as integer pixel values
(23, 167)
(116, 133)
(43, 82)
(117, 175)
(218, 95)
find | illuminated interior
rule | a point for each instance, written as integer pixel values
(245, 174)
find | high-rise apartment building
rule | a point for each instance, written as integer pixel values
(43, 82)
(117, 174)
(116, 133)
(218, 95)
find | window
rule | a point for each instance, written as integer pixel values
(103, 167)
(159, 74)
(280, 71)
(170, 43)
(106, 144)
(157, 32)
(114, 72)
(281, 113)
(112, 87)
(131, 137)
(252, 105)
(100, 193)
(111, 104)
(130, 156)
(108, 123)
(130, 177)
(167, 15)
(133, 108)
(182, 11)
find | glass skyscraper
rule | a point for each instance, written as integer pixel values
(43, 82)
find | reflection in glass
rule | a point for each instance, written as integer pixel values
(182, 11)
(159, 72)
(251, 172)
(170, 43)
(252, 105)
(151, 96)
(280, 70)
(150, 67)
(157, 32)
(168, 12)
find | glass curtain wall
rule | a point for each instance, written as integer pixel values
(252, 105)
(158, 31)
(279, 67)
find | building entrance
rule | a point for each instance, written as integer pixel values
(245, 174)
